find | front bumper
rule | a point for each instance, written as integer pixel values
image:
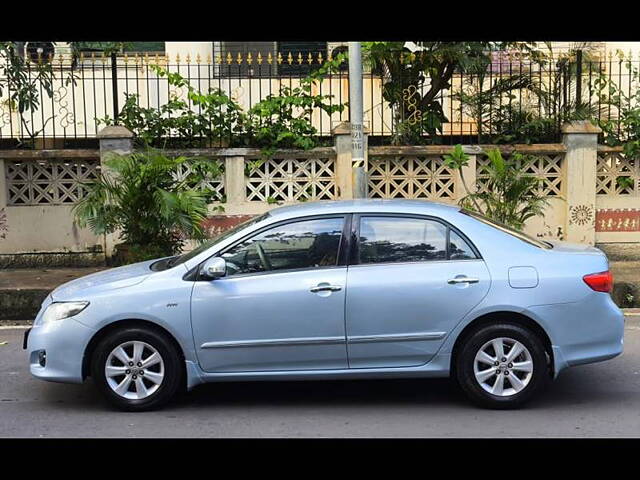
(63, 343)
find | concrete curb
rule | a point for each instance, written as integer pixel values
(626, 294)
(21, 303)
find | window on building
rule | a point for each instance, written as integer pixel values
(300, 50)
(130, 47)
(230, 67)
(229, 51)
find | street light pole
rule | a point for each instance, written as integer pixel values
(356, 120)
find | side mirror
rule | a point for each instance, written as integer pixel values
(213, 268)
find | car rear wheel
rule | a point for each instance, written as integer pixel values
(502, 366)
(137, 369)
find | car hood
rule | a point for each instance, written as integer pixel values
(111, 279)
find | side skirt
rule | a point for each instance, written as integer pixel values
(438, 367)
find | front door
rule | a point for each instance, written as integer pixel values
(413, 281)
(281, 304)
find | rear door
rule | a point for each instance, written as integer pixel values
(411, 281)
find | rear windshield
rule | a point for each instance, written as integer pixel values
(503, 228)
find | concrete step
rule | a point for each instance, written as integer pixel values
(23, 290)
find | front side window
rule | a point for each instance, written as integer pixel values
(305, 244)
(185, 257)
(398, 239)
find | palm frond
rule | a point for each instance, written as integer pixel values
(138, 195)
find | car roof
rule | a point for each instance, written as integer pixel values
(423, 207)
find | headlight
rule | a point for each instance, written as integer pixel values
(61, 310)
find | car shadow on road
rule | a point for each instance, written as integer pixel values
(579, 386)
(325, 393)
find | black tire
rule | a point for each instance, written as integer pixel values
(173, 368)
(464, 366)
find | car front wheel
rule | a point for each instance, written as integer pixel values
(502, 366)
(137, 369)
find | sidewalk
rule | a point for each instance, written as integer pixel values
(23, 290)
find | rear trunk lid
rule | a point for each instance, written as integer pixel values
(577, 248)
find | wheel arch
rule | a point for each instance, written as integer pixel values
(132, 322)
(503, 317)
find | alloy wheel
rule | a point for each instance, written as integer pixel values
(134, 370)
(503, 367)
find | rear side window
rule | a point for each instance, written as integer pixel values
(400, 239)
(458, 248)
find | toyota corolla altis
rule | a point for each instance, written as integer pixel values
(337, 290)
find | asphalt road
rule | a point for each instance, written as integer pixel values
(599, 400)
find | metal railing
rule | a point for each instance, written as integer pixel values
(512, 100)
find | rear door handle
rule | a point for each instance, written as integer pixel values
(325, 288)
(455, 280)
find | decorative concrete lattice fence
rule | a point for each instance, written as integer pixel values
(411, 176)
(587, 200)
(617, 216)
(300, 178)
(49, 181)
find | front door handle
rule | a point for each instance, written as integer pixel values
(325, 287)
(455, 280)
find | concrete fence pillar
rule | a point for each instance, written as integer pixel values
(117, 140)
(580, 170)
(4, 197)
(351, 182)
(469, 173)
(234, 183)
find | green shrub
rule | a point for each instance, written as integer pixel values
(215, 119)
(140, 198)
(510, 196)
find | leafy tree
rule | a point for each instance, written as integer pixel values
(622, 124)
(430, 69)
(23, 79)
(530, 105)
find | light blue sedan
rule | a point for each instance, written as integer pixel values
(337, 290)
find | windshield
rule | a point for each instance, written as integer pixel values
(211, 242)
(504, 228)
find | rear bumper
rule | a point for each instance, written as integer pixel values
(582, 332)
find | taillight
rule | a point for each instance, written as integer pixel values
(600, 282)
